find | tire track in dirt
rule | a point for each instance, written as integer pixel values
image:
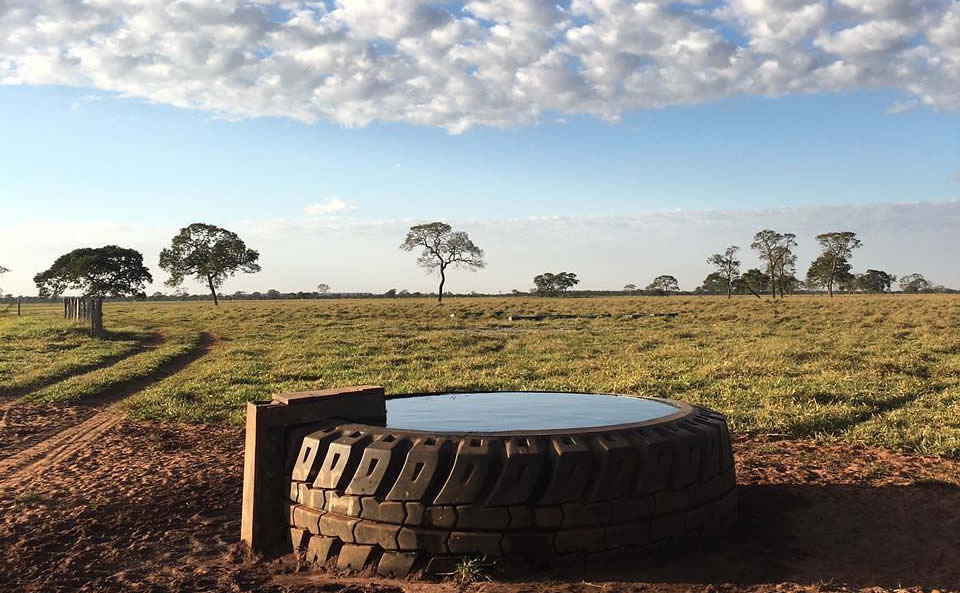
(62, 443)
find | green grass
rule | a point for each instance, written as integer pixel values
(875, 369)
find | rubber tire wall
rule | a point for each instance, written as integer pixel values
(406, 502)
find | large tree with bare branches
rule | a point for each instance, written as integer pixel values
(443, 247)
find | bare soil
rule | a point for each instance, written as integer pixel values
(156, 507)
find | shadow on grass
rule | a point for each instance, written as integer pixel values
(895, 536)
(143, 342)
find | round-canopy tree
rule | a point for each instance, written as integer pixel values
(97, 272)
(208, 253)
(550, 284)
(664, 284)
(443, 247)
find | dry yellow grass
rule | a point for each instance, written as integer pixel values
(877, 369)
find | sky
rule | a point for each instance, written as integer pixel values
(618, 140)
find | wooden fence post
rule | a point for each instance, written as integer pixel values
(18, 306)
(96, 318)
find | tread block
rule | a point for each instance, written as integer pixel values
(442, 516)
(320, 549)
(589, 539)
(338, 527)
(628, 535)
(655, 462)
(618, 459)
(433, 541)
(420, 467)
(572, 466)
(632, 509)
(524, 463)
(298, 538)
(354, 557)
(480, 517)
(343, 457)
(470, 472)
(312, 451)
(315, 498)
(381, 461)
(343, 505)
(578, 514)
(521, 517)
(307, 518)
(547, 517)
(379, 534)
(475, 542)
(535, 547)
(396, 564)
(387, 512)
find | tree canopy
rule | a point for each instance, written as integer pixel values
(549, 284)
(727, 266)
(776, 250)
(443, 247)
(826, 270)
(875, 281)
(209, 254)
(715, 283)
(834, 261)
(913, 283)
(96, 272)
(323, 288)
(664, 284)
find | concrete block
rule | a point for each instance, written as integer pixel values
(320, 548)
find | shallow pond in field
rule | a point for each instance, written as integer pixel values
(519, 411)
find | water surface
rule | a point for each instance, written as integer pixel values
(519, 411)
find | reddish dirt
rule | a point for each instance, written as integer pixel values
(154, 507)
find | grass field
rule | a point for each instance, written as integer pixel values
(875, 369)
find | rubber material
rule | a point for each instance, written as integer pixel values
(402, 502)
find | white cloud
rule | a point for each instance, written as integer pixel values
(483, 62)
(331, 206)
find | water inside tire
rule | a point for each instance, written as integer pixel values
(519, 411)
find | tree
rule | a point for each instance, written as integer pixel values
(827, 270)
(96, 272)
(629, 287)
(273, 294)
(753, 281)
(664, 284)
(837, 247)
(716, 283)
(3, 270)
(913, 283)
(548, 284)
(208, 253)
(875, 281)
(727, 265)
(323, 288)
(776, 250)
(443, 247)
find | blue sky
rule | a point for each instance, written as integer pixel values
(474, 119)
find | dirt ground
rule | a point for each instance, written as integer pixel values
(156, 507)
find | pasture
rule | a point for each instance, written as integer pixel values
(878, 370)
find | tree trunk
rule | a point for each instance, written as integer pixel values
(833, 271)
(443, 278)
(213, 291)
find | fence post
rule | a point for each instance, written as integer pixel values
(18, 306)
(96, 318)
